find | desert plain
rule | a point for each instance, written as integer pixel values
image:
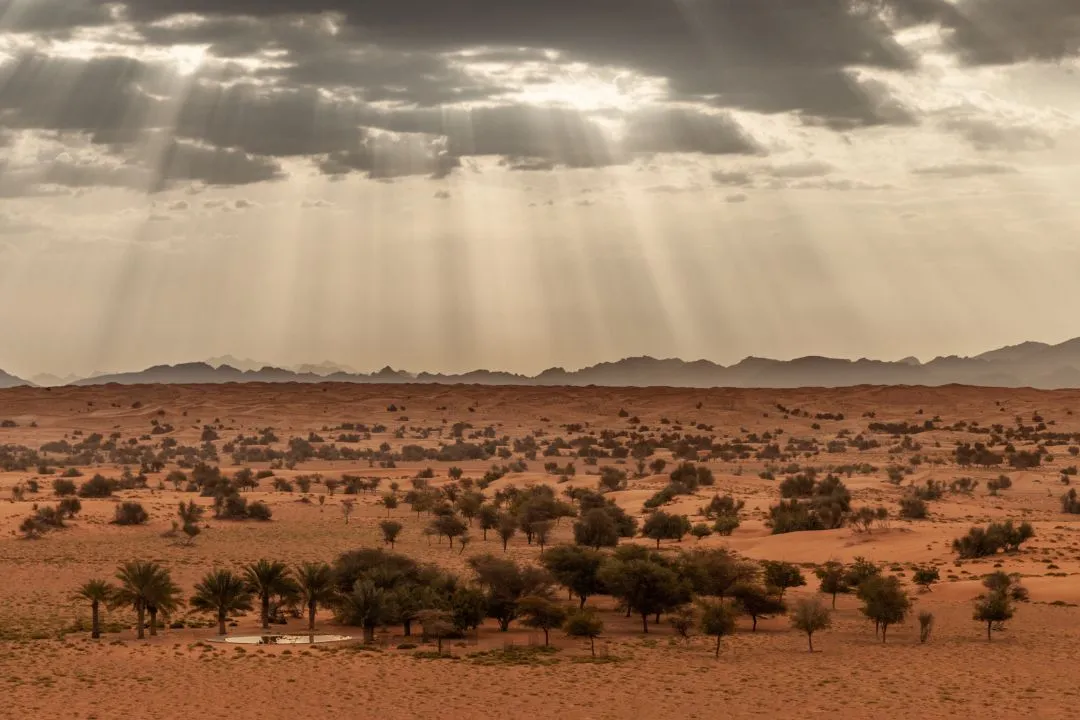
(880, 441)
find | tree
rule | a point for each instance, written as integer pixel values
(541, 613)
(926, 576)
(390, 531)
(268, 579)
(368, 606)
(585, 624)
(884, 601)
(316, 585)
(95, 592)
(436, 624)
(467, 608)
(506, 583)
(715, 572)
(993, 608)
(147, 587)
(665, 526)
(644, 586)
(782, 575)
(756, 602)
(448, 525)
(489, 518)
(507, 528)
(596, 529)
(682, 621)
(222, 592)
(1007, 583)
(810, 616)
(575, 568)
(542, 531)
(718, 620)
(833, 579)
(390, 502)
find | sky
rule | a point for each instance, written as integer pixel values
(519, 184)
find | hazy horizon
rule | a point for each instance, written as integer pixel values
(245, 363)
(518, 185)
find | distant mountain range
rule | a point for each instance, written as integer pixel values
(1029, 364)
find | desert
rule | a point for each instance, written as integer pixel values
(981, 456)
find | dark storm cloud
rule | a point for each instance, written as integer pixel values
(51, 17)
(684, 131)
(765, 55)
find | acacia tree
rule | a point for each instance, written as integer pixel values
(596, 529)
(222, 592)
(390, 531)
(585, 624)
(993, 608)
(810, 616)
(833, 579)
(718, 620)
(885, 602)
(505, 583)
(576, 568)
(782, 575)
(267, 579)
(644, 586)
(541, 613)
(508, 526)
(316, 585)
(489, 518)
(756, 602)
(95, 592)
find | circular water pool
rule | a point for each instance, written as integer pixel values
(282, 639)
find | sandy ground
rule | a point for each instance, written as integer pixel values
(48, 668)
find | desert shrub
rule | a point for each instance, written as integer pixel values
(97, 487)
(69, 506)
(130, 513)
(984, 542)
(913, 507)
(926, 576)
(726, 524)
(259, 510)
(701, 531)
(926, 625)
(722, 506)
(1070, 503)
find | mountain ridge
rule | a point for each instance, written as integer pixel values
(1029, 364)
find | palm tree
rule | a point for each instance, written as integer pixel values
(96, 591)
(164, 598)
(223, 592)
(316, 581)
(144, 586)
(267, 579)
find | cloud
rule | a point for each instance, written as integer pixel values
(768, 55)
(997, 133)
(737, 198)
(739, 178)
(685, 131)
(54, 163)
(803, 169)
(964, 169)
